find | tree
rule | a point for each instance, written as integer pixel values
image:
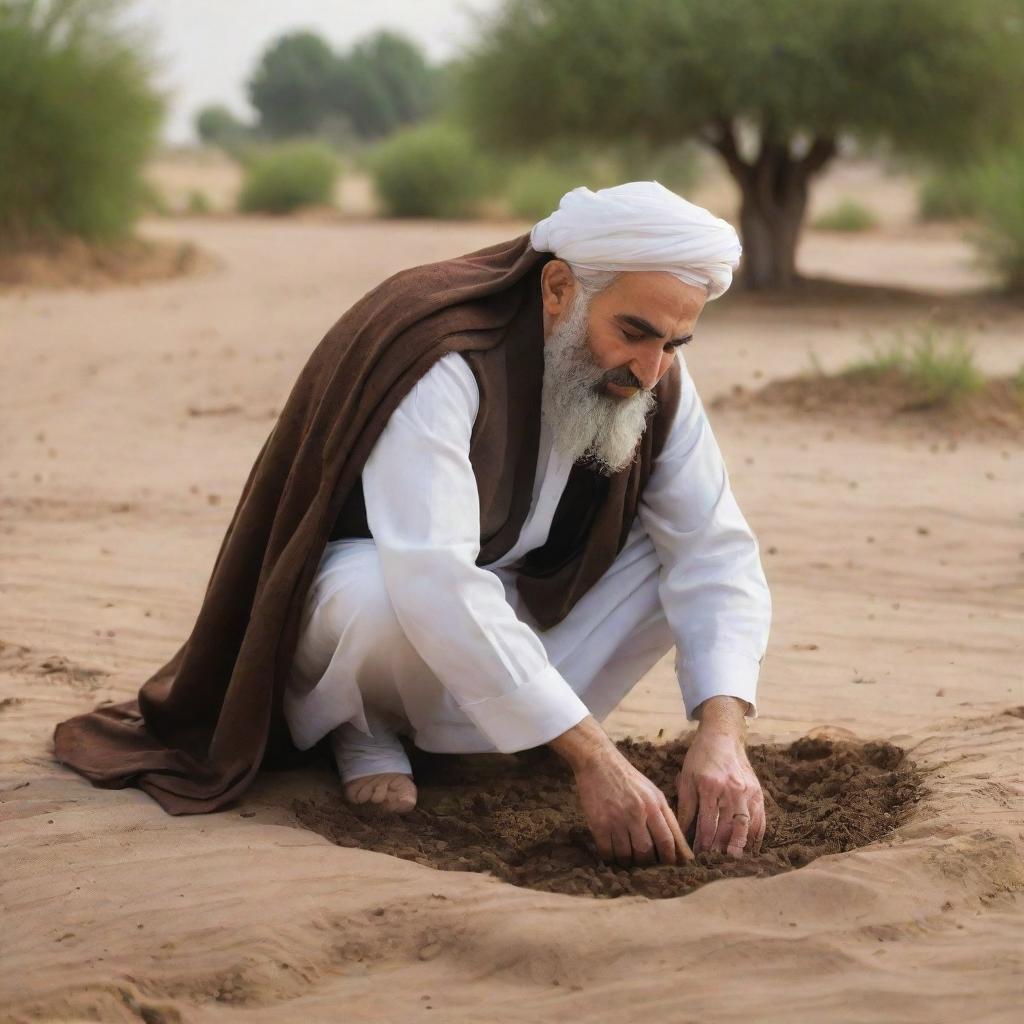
(217, 126)
(301, 87)
(771, 87)
(384, 84)
(291, 87)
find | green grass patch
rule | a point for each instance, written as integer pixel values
(847, 215)
(288, 177)
(938, 364)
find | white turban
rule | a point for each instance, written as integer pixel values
(641, 225)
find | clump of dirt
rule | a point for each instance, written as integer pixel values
(888, 398)
(74, 263)
(517, 816)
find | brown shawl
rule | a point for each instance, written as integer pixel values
(203, 724)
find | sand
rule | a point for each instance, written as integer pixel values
(130, 418)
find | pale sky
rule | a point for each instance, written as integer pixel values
(208, 48)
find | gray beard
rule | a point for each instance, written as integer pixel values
(583, 421)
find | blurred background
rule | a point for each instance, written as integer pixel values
(789, 117)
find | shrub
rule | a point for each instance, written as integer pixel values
(998, 184)
(78, 117)
(848, 215)
(429, 171)
(217, 126)
(289, 176)
(938, 365)
(198, 203)
(945, 195)
(534, 188)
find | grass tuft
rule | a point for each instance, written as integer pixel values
(848, 215)
(937, 363)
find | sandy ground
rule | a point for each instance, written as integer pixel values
(130, 419)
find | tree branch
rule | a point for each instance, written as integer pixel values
(822, 150)
(722, 138)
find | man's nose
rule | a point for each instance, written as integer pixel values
(646, 368)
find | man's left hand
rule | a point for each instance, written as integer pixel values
(717, 785)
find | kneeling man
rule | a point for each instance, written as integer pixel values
(617, 536)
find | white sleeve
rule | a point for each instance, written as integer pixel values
(423, 510)
(712, 585)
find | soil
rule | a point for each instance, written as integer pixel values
(516, 815)
(888, 399)
(77, 264)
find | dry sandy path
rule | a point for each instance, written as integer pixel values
(130, 418)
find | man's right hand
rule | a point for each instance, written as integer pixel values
(627, 814)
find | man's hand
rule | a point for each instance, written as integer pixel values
(628, 815)
(717, 785)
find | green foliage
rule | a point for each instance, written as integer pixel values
(384, 84)
(946, 194)
(302, 87)
(930, 75)
(533, 188)
(847, 215)
(771, 87)
(292, 83)
(1018, 380)
(217, 126)
(289, 176)
(78, 117)
(198, 203)
(938, 364)
(433, 170)
(998, 190)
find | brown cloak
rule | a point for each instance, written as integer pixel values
(203, 724)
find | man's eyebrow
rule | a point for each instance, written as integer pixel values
(642, 325)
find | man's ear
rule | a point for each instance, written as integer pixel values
(557, 287)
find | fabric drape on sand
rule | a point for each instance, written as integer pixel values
(203, 724)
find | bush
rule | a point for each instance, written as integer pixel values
(430, 171)
(848, 215)
(938, 365)
(198, 203)
(998, 184)
(78, 117)
(535, 188)
(945, 195)
(288, 177)
(217, 126)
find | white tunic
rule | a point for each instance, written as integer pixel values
(467, 623)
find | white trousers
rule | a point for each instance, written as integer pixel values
(356, 676)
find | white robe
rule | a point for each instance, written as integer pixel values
(404, 631)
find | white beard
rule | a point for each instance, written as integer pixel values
(583, 421)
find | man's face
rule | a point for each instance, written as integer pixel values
(604, 354)
(637, 324)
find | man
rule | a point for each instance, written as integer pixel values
(404, 633)
(490, 503)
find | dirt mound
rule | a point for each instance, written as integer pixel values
(72, 263)
(888, 399)
(516, 815)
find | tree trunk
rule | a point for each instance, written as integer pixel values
(770, 231)
(774, 189)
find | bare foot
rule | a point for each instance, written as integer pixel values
(392, 791)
